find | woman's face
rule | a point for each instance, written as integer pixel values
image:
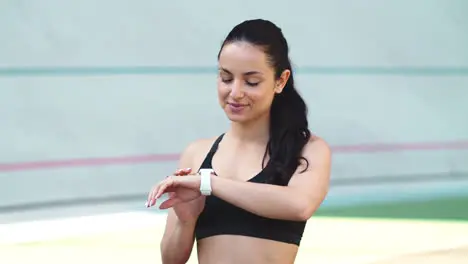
(246, 82)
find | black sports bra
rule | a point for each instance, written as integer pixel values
(222, 218)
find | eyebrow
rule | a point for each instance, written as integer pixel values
(246, 73)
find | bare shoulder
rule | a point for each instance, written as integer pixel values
(317, 170)
(317, 150)
(199, 145)
(195, 152)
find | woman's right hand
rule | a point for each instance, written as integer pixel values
(189, 211)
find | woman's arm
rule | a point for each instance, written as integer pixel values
(297, 201)
(177, 242)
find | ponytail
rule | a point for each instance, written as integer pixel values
(289, 134)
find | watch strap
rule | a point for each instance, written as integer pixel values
(205, 183)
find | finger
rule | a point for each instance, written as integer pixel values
(170, 203)
(152, 200)
(183, 172)
(169, 189)
(187, 171)
(154, 197)
(162, 189)
(151, 194)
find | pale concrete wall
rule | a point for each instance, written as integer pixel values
(84, 112)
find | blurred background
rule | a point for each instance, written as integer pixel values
(98, 98)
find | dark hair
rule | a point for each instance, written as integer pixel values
(289, 131)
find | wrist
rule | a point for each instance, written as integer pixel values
(213, 181)
(190, 223)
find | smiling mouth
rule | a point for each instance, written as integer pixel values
(236, 105)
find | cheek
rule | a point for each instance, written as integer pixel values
(223, 91)
(262, 97)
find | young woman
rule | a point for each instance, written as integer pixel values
(268, 173)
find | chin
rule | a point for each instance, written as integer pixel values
(238, 118)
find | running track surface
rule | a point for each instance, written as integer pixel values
(360, 234)
(125, 238)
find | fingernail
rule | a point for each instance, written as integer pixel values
(146, 204)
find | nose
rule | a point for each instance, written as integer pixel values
(237, 90)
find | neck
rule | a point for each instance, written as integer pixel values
(254, 131)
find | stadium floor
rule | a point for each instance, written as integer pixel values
(424, 232)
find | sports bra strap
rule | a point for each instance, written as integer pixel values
(206, 164)
(214, 148)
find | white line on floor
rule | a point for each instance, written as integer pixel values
(43, 230)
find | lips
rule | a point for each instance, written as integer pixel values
(237, 105)
(236, 108)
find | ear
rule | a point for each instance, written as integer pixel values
(282, 80)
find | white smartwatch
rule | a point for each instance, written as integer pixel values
(205, 184)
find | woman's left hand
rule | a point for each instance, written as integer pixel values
(183, 189)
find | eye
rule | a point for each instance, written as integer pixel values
(225, 78)
(252, 84)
